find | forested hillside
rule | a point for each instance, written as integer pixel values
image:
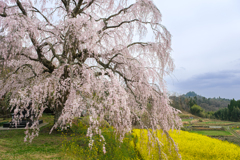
(185, 101)
(231, 113)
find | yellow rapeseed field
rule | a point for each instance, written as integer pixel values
(191, 146)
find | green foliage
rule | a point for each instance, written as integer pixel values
(4, 104)
(145, 119)
(80, 126)
(77, 147)
(192, 102)
(231, 113)
(202, 114)
(85, 121)
(184, 102)
(1, 123)
(45, 146)
(212, 133)
(4, 72)
(196, 110)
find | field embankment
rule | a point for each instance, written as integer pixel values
(223, 130)
(56, 146)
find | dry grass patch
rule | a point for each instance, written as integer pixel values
(185, 123)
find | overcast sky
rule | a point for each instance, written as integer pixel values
(206, 46)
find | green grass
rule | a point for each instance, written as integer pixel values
(63, 145)
(213, 133)
(45, 146)
(187, 120)
(76, 147)
(217, 122)
(49, 146)
(1, 123)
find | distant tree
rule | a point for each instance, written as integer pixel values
(235, 114)
(232, 112)
(232, 104)
(196, 109)
(192, 102)
(83, 55)
(183, 102)
(226, 114)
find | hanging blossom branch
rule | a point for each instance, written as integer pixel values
(86, 59)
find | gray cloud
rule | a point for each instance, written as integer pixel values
(213, 84)
(205, 42)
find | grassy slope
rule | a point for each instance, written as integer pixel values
(45, 146)
(213, 133)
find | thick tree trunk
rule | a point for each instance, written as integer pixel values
(58, 112)
(59, 107)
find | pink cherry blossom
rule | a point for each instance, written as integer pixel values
(75, 56)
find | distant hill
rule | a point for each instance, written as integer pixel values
(191, 94)
(183, 102)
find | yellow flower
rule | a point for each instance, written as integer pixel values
(191, 146)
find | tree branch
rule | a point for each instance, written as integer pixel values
(105, 66)
(122, 10)
(41, 58)
(126, 80)
(100, 73)
(36, 10)
(88, 5)
(4, 14)
(123, 22)
(25, 65)
(66, 4)
(33, 59)
(140, 43)
(53, 51)
(77, 8)
(74, 2)
(21, 7)
(113, 58)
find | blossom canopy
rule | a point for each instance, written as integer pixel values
(75, 56)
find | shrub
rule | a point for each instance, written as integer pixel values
(80, 126)
(85, 121)
(77, 147)
(197, 110)
(201, 114)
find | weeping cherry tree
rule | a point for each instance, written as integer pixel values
(74, 56)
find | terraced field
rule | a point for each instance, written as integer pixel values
(223, 130)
